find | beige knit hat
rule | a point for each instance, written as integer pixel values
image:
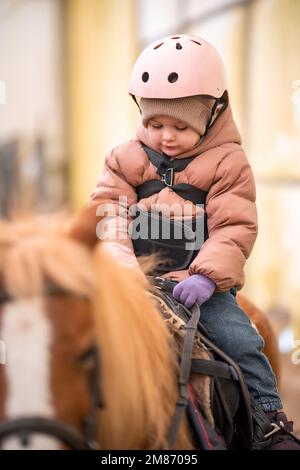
(195, 111)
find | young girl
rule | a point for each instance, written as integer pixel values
(187, 164)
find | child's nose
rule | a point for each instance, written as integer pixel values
(168, 134)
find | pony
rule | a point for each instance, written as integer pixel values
(89, 361)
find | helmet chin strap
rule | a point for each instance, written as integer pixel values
(136, 102)
(218, 108)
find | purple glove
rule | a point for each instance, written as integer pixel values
(196, 289)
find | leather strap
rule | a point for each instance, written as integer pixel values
(165, 169)
(214, 368)
(184, 374)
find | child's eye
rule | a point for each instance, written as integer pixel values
(156, 126)
(181, 128)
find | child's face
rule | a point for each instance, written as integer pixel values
(171, 136)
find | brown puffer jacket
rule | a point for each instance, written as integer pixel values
(222, 170)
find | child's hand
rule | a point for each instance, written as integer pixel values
(196, 289)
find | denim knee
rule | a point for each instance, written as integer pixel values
(229, 327)
(231, 330)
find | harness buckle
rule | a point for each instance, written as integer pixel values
(168, 177)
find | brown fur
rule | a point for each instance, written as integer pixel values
(138, 365)
(35, 250)
(73, 330)
(138, 368)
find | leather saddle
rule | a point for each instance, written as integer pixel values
(239, 423)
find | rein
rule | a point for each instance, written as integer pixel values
(67, 434)
(185, 363)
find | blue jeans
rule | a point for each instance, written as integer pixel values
(230, 329)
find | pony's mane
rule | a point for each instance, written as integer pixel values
(138, 367)
(37, 249)
(139, 364)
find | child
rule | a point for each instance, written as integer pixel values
(188, 154)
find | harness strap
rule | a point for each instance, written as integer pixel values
(214, 368)
(184, 374)
(162, 162)
(165, 169)
(184, 190)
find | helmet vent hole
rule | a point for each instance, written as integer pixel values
(173, 77)
(145, 77)
(196, 42)
(158, 45)
(178, 46)
(175, 37)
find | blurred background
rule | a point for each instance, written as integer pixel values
(64, 72)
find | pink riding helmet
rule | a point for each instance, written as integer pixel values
(178, 66)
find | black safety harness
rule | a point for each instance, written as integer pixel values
(172, 249)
